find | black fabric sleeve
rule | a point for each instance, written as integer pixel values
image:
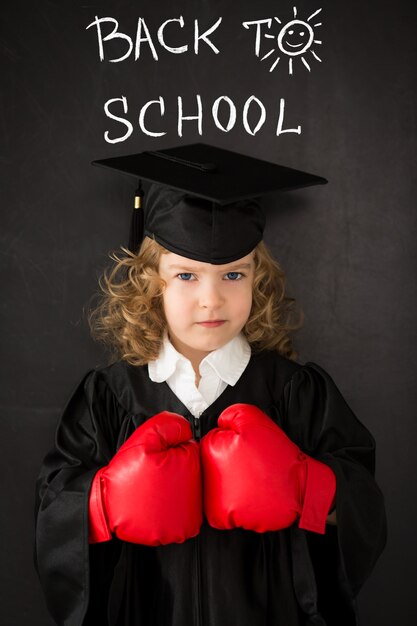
(85, 440)
(318, 419)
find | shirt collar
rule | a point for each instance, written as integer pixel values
(165, 365)
(228, 362)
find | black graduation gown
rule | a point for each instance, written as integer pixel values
(236, 577)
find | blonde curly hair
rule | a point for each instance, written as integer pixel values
(129, 318)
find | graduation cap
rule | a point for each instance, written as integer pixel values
(202, 200)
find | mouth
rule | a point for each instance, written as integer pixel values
(211, 323)
(294, 45)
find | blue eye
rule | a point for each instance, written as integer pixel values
(234, 275)
(185, 276)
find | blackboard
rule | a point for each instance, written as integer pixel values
(346, 112)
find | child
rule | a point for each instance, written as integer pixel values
(204, 477)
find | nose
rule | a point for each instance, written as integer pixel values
(210, 295)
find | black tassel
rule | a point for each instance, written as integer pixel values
(137, 221)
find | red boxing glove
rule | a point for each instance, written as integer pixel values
(256, 478)
(151, 491)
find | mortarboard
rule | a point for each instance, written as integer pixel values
(202, 200)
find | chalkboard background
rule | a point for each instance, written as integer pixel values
(348, 248)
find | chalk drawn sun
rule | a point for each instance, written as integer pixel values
(295, 39)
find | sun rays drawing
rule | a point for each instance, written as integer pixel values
(295, 39)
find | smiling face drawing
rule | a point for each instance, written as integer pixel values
(295, 38)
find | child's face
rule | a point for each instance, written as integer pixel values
(197, 293)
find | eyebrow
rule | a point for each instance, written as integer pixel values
(196, 269)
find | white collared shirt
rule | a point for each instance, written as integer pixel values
(218, 369)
